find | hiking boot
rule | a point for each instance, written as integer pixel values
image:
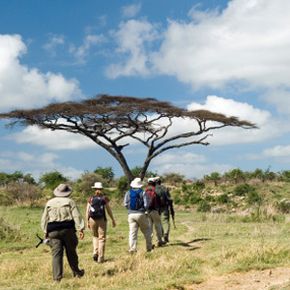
(166, 240)
(79, 273)
(132, 252)
(57, 280)
(95, 257)
(160, 244)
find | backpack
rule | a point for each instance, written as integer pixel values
(162, 193)
(97, 207)
(136, 199)
(153, 197)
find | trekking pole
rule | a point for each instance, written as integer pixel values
(41, 241)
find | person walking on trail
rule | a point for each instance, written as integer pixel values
(137, 203)
(166, 207)
(96, 209)
(153, 211)
(59, 222)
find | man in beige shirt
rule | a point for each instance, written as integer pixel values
(60, 220)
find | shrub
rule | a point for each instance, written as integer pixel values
(224, 198)
(123, 185)
(20, 193)
(8, 232)
(254, 197)
(284, 205)
(243, 189)
(203, 206)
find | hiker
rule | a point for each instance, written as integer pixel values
(166, 207)
(97, 206)
(136, 201)
(59, 222)
(153, 211)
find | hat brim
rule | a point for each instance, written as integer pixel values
(58, 193)
(97, 187)
(133, 185)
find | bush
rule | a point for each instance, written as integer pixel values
(203, 206)
(224, 198)
(123, 185)
(8, 232)
(254, 197)
(284, 205)
(20, 193)
(243, 189)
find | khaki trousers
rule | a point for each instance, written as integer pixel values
(156, 221)
(135, 221)
(99, 231)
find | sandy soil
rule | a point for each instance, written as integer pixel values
(278, 278)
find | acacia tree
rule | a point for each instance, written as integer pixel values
(110, 121)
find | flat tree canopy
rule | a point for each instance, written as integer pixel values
(111, 121)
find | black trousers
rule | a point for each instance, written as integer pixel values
(61, 240)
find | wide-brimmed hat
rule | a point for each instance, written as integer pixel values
(62, 190)
(136, 183)
(98, 185)
(151, 180)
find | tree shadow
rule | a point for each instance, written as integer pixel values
(189, 245)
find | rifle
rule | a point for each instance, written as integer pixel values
(172, 212)
(41, 241)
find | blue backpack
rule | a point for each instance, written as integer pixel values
(136, 199)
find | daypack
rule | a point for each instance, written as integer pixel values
(162, 193)
(153, 197)
(136, 199)
(97, 207)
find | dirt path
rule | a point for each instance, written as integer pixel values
(278, 278)
(274, 279)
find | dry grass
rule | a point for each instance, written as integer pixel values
(202, 246)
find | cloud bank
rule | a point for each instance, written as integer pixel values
(23, 87)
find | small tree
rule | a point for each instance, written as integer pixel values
(114, 121)
(215, 177)
(52, 179)
(106, 173)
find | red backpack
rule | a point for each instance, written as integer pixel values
(154, 202)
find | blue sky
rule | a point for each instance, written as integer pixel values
(230, 57)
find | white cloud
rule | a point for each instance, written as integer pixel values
(280, 98)
(80, 53)
(277, 151)
(53, 43)
(23, 87)
(188, 164)
(268, 126)
(132, 38)
(246, 44)
(249, 41)
(131, 11)
(52, 140)
(36, 164)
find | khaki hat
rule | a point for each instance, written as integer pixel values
(98, 185)
(136, 183)
(62, 190)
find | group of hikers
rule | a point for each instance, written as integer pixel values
(148, 207)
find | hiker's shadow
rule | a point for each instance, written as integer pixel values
(189, 245)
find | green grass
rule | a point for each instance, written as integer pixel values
(203, 245)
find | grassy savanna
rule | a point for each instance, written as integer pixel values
(202, 246)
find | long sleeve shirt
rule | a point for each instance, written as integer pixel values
(61, 209)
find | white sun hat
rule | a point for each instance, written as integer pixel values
(136, 183)
(98, 185)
